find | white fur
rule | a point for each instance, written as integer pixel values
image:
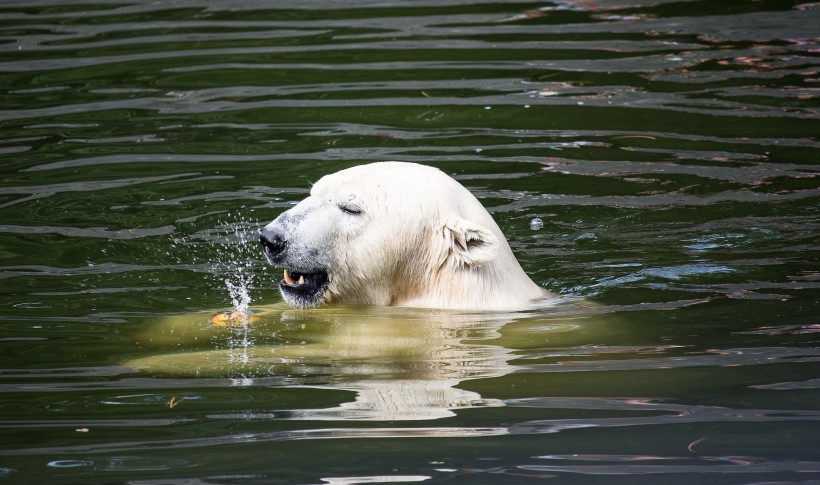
(420, 239)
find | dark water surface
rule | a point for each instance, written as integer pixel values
(668, 148)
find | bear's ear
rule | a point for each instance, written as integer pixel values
(469, 244)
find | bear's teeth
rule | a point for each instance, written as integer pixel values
(292, 282)
(288, 279)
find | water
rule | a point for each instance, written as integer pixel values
(668, 149)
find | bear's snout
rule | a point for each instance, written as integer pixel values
(272, 243)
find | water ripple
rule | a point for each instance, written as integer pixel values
(258, 437)
(715, 357)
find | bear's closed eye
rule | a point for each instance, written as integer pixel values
(351, 209)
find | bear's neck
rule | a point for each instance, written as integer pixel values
(500, 284)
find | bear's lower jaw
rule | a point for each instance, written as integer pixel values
(303, 289)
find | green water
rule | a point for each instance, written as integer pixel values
(669, 147)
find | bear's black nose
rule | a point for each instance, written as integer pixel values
(272, 243)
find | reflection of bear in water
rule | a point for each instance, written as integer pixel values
(403, 364)
(394, 233)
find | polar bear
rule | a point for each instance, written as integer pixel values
(399, 234)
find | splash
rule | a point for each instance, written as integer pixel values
(239, 290)
(237, 250)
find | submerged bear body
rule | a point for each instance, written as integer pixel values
(395, 233)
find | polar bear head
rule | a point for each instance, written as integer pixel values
(394, 233)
